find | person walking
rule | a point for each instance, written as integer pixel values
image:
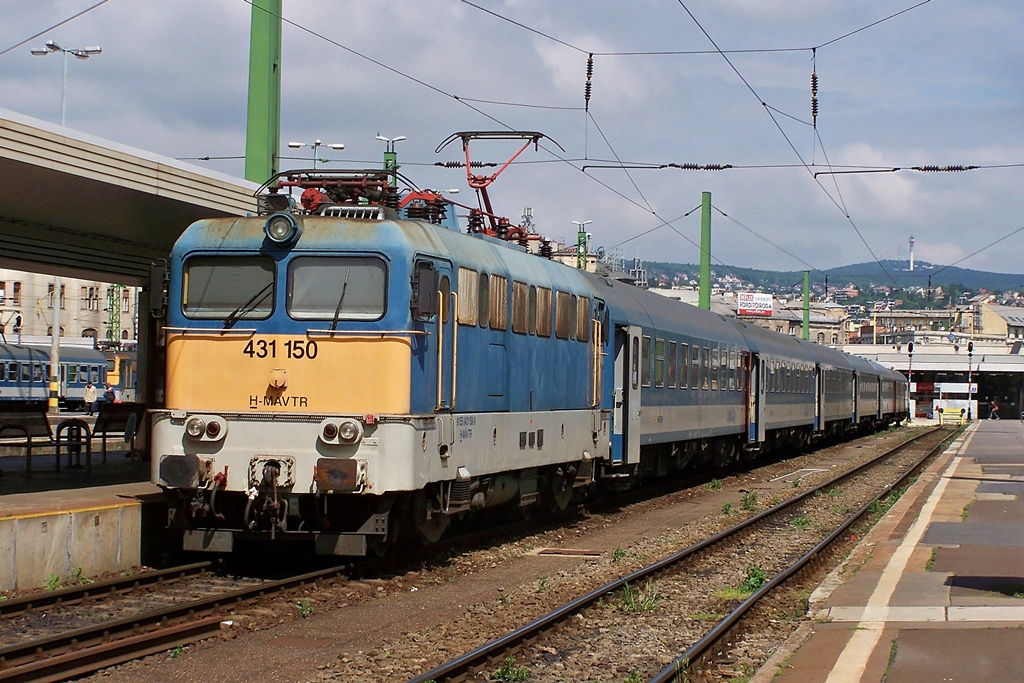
(90, 398)
(993, 412)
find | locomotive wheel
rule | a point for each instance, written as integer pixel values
(430, 529)
(561, 487)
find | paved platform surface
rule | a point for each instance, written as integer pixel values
(935, 592)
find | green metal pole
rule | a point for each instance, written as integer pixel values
(263, 123)
(807, 305)
(705, 251)
(391, 164)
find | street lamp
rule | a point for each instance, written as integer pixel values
(910, 378)
(316, 144)
(390, 158)
(80, 53)
(581, 244)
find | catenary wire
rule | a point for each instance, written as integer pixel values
(57, 25)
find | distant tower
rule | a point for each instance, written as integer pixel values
(911, 253)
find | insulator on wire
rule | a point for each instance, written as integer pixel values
(700, 167)
(462, 164)
(953, 168)
(814, 99)
(586, 88)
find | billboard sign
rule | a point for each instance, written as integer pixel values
(749, 303)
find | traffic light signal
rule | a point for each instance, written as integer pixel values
(970, 347)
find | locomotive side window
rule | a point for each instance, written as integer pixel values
(659, 362)
(563, 315)
(573, 315)
(645, 362)
(446, 298)
(531, 319)
(468, 291)
(521, 307)
(583, 319)
(499, 303)
(337, 288)
(484, 300)
(543, 312)
(672, 365)
(228, 286)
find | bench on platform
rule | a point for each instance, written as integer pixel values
(32, 422)
(119, 418)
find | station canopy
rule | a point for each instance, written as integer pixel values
(77, 205)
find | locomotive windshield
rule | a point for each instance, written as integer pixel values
(228, 287)
(337, 288)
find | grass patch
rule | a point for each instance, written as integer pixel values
(508, 671)
(727, 509)
(714, 485)
(967, 510)
(749, 501)
(931, 560)
(803, 522)
(639, 601)
(618, 554)
(707, 616)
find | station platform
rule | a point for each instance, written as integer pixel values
(59, 526)
(935, 591)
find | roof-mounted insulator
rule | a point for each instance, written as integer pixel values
(586, 88)
(475, 221)
(953, 168)
(546, 250)
(814, 99)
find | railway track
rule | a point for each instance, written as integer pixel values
(79, 651)
(541, 641)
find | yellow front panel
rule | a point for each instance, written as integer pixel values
(274, 373)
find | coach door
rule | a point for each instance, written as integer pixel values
(446, 333)
(626, 408)
(756, 399)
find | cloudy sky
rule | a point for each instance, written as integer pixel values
(941, 83)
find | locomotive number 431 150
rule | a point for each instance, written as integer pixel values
(298, 348)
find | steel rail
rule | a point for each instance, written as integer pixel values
(466, 663)
(99, 589)
(12, 657)
(681, 664)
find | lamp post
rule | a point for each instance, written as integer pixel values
(910, 378)
(316, 144)
(390, 158)
(581, 244)
(80, 53)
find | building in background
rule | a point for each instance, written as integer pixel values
(98, 310)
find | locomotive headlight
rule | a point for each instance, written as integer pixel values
(348, 431)
(281, 228)
(195, 427)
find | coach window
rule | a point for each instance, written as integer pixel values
(684, 365)
(659, 362)
(635, 363)
(337, 288)
(543, 312)
(563, 315)
(484, 300)
(672, 365)
(645, 362)
(499, 303)
(83, 372)
(732, 369)
(520, 307)
(695, 367)
(3, 371)
(231, 287)
(469, 289)
(94, 374)
(37, 372)
(705, 365)
(715, 367)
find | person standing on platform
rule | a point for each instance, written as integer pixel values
(110, 394)
(90, 398)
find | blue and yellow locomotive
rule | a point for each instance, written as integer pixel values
(352, 369)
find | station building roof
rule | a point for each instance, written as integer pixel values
(87, 207)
